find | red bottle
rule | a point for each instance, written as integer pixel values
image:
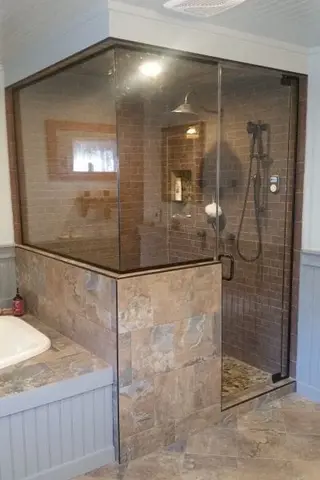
(18, 305)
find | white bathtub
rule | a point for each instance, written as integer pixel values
(19, 341)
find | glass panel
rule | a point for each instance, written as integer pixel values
(167, 129)
(68, 156)
(140, 122)
(256, 182)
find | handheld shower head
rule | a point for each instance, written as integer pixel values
(212, 211)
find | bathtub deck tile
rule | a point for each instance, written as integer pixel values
(64, 360)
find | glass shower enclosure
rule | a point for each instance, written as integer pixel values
(257, 168)
(132, 157)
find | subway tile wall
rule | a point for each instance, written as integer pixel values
(256, 303)
(130, 124)
(53, 210)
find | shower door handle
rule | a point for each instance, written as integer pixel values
(231, 262)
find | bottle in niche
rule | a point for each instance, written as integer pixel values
(18, 305)
(178, 190)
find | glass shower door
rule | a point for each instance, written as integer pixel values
(256, 199)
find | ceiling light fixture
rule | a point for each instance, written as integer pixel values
(150, 69)
(201, 8)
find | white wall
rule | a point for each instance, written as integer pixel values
(141, 25)
(6, 221)
(311, 208)
(51, 32)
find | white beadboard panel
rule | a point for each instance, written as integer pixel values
(55, 392)
(58, 440)
(7, 276)
(308, 359)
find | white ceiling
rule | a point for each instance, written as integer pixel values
(292, 21)
(26, 24)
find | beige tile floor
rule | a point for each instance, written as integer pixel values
(280, 441)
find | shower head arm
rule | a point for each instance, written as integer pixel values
(186, 98)
(187, 108)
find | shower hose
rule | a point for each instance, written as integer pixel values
(256, 141)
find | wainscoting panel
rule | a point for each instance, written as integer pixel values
(7, 276)
(58, 440)
(308, 359)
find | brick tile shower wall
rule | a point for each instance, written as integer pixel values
(49, 205)
(190, 236)
(252, 302)
(130, 120)
(254, 324)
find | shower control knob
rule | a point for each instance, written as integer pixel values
(274, 183)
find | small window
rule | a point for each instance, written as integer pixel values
(94, 156)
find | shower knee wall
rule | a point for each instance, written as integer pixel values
(160, 331)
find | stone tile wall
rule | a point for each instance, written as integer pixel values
(169, 355)
(167, 338)
(76, 302)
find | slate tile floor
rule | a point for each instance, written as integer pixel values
(280, 441)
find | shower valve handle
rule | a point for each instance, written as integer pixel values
(230, 257)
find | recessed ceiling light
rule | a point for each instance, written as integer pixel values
(150, 69)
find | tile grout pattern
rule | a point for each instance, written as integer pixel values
(280, 441)
(169, 328)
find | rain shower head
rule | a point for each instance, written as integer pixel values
(185, 107)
